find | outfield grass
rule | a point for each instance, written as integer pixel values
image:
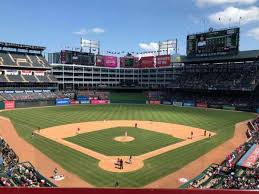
(103, 141)
(221, 122)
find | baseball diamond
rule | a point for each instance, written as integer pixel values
(158, 127)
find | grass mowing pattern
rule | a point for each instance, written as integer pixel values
(130, 97)
(221, 122)
(103, 141)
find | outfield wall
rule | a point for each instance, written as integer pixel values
(117, 191)
(85, 100)
(34, 103)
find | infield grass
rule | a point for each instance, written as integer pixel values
(103, 141)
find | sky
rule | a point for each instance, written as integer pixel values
(124, 25)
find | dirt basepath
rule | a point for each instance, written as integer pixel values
(42, 163)
(217, 155)
(108, 163)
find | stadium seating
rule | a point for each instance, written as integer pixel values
(30, 78)
(30, 96)
(7, 60)
(228, 174)
(94, 94)
(2, 78)
(15, 78)
(21, 59)
(11, 58)
(15, 174)
(43, 78)
(217, 77)
(52, 78)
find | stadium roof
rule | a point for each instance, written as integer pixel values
(242, 55)
(21, 46)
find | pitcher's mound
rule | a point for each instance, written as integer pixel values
(124, 138)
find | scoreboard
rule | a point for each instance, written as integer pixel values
(213, 43)
(129, 62)
(75, 57)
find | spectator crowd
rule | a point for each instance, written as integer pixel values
(15, 174)
(229, 174)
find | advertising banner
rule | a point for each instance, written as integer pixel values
(176, 103)
(146, 62)
(39, 73)
(84, 101)
(8, 91)
(167, 102)
(110, 61)
(250, 158)
(72, 101)
(29, 91)
(63, 56)
(100, 102)
(62, 101)
(37, 91)
(202, 105)
(11, 72)
(136, 62)
(154, 102)
(82, 98)
(188, 103)
(26, 72)
(9, 105)
(19, 91)
(163, 61)
(99, 60)
(122, 61)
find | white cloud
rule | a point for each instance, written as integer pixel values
(97, 30)
(233, 15)
(202, 3)
(84, 31)
(254, 33)
(152, 46)
(81, 32)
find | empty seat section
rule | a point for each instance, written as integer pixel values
(15, 78)
(21, 59)
(6, 59)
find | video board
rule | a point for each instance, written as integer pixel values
(75, 57)
(213, 43)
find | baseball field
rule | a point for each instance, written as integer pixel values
(161, 143)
